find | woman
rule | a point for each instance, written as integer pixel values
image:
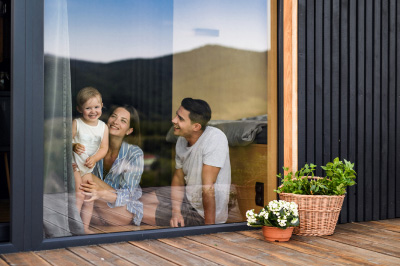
(115, 188)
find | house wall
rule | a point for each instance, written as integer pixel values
(349, 97)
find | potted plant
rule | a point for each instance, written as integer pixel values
(320, 199)
(277, 220)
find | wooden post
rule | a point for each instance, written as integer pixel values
(290, 84)
(272, 106)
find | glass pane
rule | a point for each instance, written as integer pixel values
(151, 55)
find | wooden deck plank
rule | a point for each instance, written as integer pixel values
(377, 232)
(377, 236)
(307, 249)
(3, 263)
(379, 225)
(285, 255)
(206, 252)
(349, 252)
(62, 257)
(23, 258)
(170, 253)
(253, 255)
(390, 221)
(368, 243)
(99, 256)
(135, 254)
(384, 225)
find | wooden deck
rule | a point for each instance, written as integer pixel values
(367, 243)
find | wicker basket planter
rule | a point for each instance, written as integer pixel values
(318, 214)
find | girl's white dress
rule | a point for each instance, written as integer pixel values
(90, 137)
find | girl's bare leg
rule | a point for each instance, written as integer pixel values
(79, 196)
(87, 207)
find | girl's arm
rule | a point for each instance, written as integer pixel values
(101, 153)
(76, 147)
(74, 127)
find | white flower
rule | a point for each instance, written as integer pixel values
(250, 213)
(282, 222)
(280, 210)
(252, 220)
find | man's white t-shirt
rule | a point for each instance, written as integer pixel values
(210, 149)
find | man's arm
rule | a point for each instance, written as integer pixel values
(209, 177)
(177, 190)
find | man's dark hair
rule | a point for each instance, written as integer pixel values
(200, 111)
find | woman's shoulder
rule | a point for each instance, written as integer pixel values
(131, 150)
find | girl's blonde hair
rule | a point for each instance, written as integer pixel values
(85, 94)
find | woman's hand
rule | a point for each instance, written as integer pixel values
(78, 148)
(90, 162)
(92, 190)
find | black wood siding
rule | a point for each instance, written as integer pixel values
(349, 97)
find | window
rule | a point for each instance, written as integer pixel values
(151, 55)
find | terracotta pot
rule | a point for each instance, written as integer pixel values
(276, 234)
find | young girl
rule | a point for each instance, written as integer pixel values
(90, 144)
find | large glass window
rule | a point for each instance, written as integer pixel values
(151, 55)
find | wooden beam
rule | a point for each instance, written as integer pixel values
(272, 106)
(290, 84)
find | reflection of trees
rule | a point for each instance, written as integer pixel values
(147, 85)
(233, 82)
(144, 83)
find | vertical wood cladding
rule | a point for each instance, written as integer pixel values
(349, 97)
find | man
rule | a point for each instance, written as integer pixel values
(202, 164)
(201, 182)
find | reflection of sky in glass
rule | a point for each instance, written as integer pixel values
(239, 24)
(109, 30)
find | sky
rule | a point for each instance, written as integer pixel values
(112, 30)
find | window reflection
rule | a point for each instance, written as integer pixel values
(151, 55)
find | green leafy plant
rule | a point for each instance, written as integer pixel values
(278, 213)
(339, 176)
